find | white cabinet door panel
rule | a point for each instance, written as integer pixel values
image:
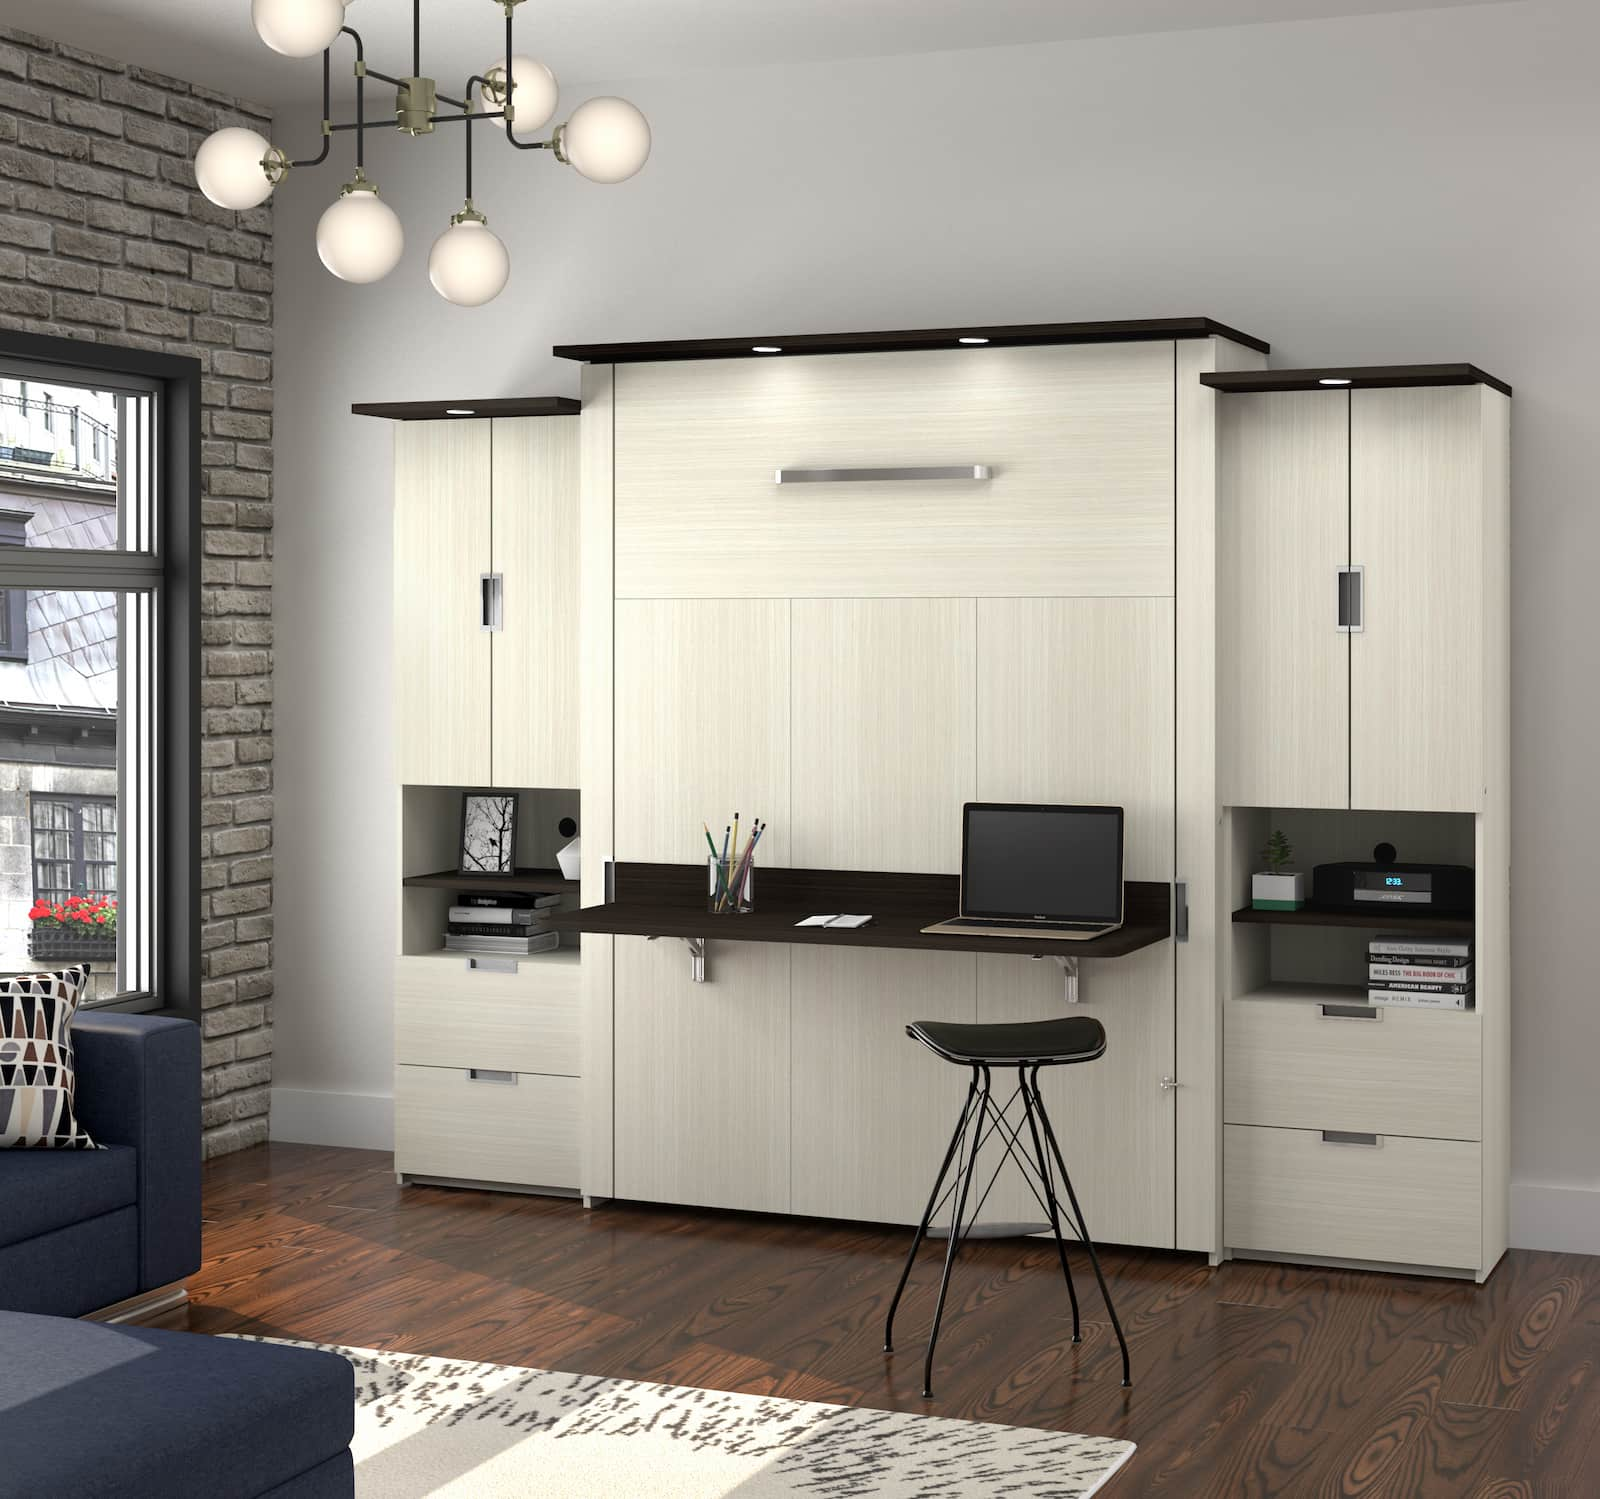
(883, 732)
(1075, 700)
(441, 653)
(702, 716)
(1114, 1122)
(1079, 437)
(702, 1075)
(873, 1109)
(1283, 665)
(536, 553)
(1416, 669)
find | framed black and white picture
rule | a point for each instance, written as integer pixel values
(489, 832)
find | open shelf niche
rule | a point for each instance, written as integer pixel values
(430, 839)
(1320, 956)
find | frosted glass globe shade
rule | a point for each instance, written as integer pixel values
(468, 264)
(360, 238)
(228, 168)
(606, 140)
(297, 28)
(534, 93)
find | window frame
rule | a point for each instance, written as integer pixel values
(77, 859)
(174, 563)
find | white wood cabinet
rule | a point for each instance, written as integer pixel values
(1075, 705)
(1079, 438)
(884, 732)
(443, 666)
(1417, 518)
(703, 1075)
(702, 689)
(534, 505)
(496, 1127)
(481, 506)
(1283, 534)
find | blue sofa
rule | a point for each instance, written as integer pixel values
(83, 1229)
(100, 1411)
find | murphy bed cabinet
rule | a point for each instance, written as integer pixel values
(983, 573)
(1363, 692)
(488, 1049)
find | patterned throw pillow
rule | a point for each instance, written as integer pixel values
(36, 1065)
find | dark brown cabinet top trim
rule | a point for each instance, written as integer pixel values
(1010, 335)
(461, 411)
(1353, 377)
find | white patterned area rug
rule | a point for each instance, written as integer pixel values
(434, 1426)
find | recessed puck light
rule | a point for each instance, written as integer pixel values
(766, 349)
(972, 340)
(459, 411)
(1330, 380)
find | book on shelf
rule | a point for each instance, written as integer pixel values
(506, 908)
(1415, 999)
(1421, 973)
(1409, 986)
(505, 946)
(1393, 946)
(493, 929)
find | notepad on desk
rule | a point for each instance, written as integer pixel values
(849, 922)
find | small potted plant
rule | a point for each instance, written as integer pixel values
(1277, 888)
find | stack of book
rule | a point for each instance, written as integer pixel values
(506, 924)
(1433, 973)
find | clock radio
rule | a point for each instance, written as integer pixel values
(1361, 884)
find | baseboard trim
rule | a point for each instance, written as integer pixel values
(145, 1305)
(315, 1116)
(1559, 1218)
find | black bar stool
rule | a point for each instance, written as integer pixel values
(1027, 1047)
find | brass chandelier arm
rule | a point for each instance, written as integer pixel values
(327, 108)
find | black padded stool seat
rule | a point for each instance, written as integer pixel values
(1075, 1038)
(1028, 1046)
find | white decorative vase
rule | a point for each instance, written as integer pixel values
(1277, 892)
(570, 859)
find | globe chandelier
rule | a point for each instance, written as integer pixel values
(359, 237)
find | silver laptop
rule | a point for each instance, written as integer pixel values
(1034, 871)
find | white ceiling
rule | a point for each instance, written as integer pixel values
(212, 40)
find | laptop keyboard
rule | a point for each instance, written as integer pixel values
(1015, 921)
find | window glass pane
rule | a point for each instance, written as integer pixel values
(75, 466)
(70, 812)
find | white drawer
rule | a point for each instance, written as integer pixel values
(449, 1013)
(1406, 1201)
(1078, 437)
(1402, 1072)
(517, 1128)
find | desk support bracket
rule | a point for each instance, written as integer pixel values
(1069, 976)
(697, 957)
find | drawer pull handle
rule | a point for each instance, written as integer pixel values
(1351, 1012)
(491, 965)
(1352, 600)
(492, 600)
(489, 1075)
(967, 471)
(1350, 1137)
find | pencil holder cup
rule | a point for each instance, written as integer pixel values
(730, 892)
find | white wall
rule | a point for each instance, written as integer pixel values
(1395, 188)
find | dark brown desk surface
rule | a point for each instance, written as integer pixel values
(669, 900)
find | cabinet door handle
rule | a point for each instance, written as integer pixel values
(1351, 1012)
(489, 1075)
(968, 471)
(1351, 1137)
(491, 965)
(492, 594)
(1352, 600)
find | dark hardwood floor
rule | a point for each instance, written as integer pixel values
(1252, 1380)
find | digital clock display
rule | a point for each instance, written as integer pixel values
(1405, 887)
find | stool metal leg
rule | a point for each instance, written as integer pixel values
(1083, 1227)
(927, 1212)
(1051, 1204)
(956, 1222)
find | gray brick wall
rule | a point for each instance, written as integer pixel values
(104, 237)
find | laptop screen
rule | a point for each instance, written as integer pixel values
(1028, 862)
